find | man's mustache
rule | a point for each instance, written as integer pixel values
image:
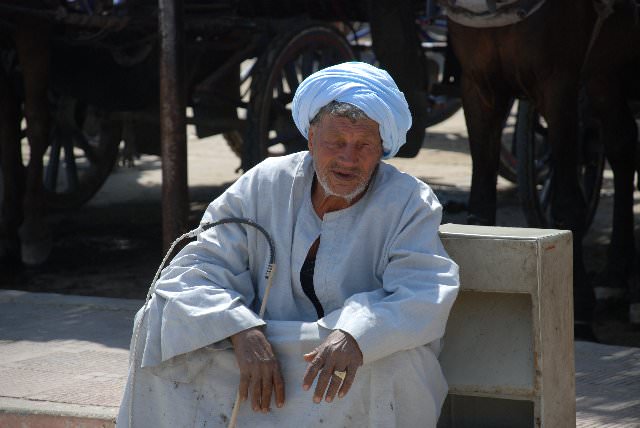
(346, 170)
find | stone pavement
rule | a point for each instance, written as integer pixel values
(63, 359)
(607, 386)
(63, 363)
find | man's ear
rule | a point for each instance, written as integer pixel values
(310, 139)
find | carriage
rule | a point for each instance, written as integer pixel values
(243, 62)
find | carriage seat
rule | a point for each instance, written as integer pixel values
(489, 13)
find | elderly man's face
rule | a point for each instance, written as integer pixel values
(345, 154)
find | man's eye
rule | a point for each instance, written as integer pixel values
(367, 147)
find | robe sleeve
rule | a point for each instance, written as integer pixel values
(420, 284)
(206, 293)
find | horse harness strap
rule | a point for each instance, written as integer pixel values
(489, 13)
(603, 8)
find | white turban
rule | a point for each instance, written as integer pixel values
(370, 89)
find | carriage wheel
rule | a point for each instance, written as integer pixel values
(83, 149)
(441, 109)
(289, 59)
(234, 141)
(535, 169)
(508, 166)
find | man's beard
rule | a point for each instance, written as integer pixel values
(324, 182)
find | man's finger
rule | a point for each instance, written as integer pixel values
(243, 388)
(312, 371)
(256, 392)
(278, 385)
(348, 381)
(333, 387)
(310, 356)
(323, 381)
(267, 383)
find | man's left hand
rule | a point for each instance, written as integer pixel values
(339, 352)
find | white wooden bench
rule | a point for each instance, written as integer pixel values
(508, 351)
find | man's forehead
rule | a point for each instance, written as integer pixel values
(341, 127)
(331, 123)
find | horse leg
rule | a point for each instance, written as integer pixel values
(485, 108)
(559, 106)
(619, 134)
(12, 170)
(33, 53)
(621, 257)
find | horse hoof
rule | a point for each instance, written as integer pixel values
(609, 293)
(35, 253)
(609, 286)
(36, 242)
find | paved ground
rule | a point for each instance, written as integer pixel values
(63, 360)
(68, 354)
(607, 386)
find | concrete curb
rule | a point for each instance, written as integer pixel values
(54, 299)
(21, 413)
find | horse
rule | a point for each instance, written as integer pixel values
(40, 74)
(24, 233)
(612, 80)
(547, 52)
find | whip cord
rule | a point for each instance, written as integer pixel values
(192, 234)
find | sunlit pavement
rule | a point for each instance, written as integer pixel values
(64, 360)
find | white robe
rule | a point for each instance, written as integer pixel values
(381, 274)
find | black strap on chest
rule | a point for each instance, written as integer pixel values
(306, 280)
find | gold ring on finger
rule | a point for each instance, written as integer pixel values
(341, 374)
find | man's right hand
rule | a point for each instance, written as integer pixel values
(259, 369)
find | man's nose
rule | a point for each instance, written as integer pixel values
(348, 154)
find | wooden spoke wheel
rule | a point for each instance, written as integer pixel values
(508, 166)
(83, 149)
(289, 59)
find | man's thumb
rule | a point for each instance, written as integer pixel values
(310, 356)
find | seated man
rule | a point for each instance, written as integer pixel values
(360, 297)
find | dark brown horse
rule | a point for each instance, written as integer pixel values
(612, 76)
(542, 58)
(23, 230)
(28, 72)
